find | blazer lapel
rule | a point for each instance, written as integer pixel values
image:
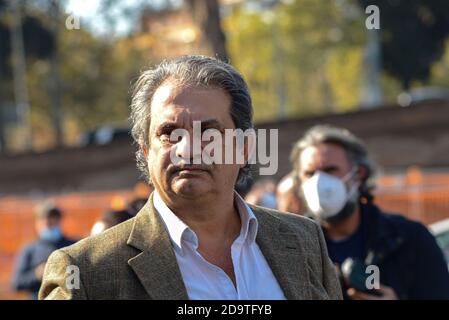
(156, 266)
(284, 254)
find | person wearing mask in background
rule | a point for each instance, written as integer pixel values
(109, 219)
(335, 173)
(31, 260)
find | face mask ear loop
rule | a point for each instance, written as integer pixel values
(354, 189)
(347, 178)
(349, 175)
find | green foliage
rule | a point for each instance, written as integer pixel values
(95, 74)
(314, 51)
(306, 56)
(307, 53)
(439, 74)
(413, 36)
(253, 58)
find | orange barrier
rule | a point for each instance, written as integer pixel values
(427, 206)
(80, 210)
(420, 196)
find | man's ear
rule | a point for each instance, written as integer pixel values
(362, 172)
(144, 150)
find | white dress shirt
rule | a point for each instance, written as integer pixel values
(204, 280)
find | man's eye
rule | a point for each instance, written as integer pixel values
(309, 174)
(164, 138)
(166, 132)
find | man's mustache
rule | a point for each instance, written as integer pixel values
(179, 167)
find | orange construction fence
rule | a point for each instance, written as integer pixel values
(81, 211)
(419, 196)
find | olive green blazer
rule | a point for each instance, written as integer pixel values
(135, 260)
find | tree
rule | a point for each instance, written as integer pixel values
(207, 16)
(4, 54)
(413, 34)
(95, 75)
(307, 47)
(37, 43)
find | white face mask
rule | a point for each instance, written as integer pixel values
(51, 234)
(326, 195)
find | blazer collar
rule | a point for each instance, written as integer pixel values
(282, 249)
(156, 266)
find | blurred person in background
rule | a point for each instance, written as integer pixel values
(335, 171)
(109, 219)
(287, 195)
(142, 191)
(263, 194)
(136, 205)
(31, 260)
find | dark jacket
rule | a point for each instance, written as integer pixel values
(409, 259)
(30, 257)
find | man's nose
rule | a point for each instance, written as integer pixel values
(187, 148)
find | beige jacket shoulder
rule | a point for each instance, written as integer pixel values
(135, 260)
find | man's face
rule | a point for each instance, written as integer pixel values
(176, 107)
(327, 157)
(42, 224)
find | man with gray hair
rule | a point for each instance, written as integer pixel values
(381, 256)
(195, 238)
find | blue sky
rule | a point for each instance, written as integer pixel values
(90, 15)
